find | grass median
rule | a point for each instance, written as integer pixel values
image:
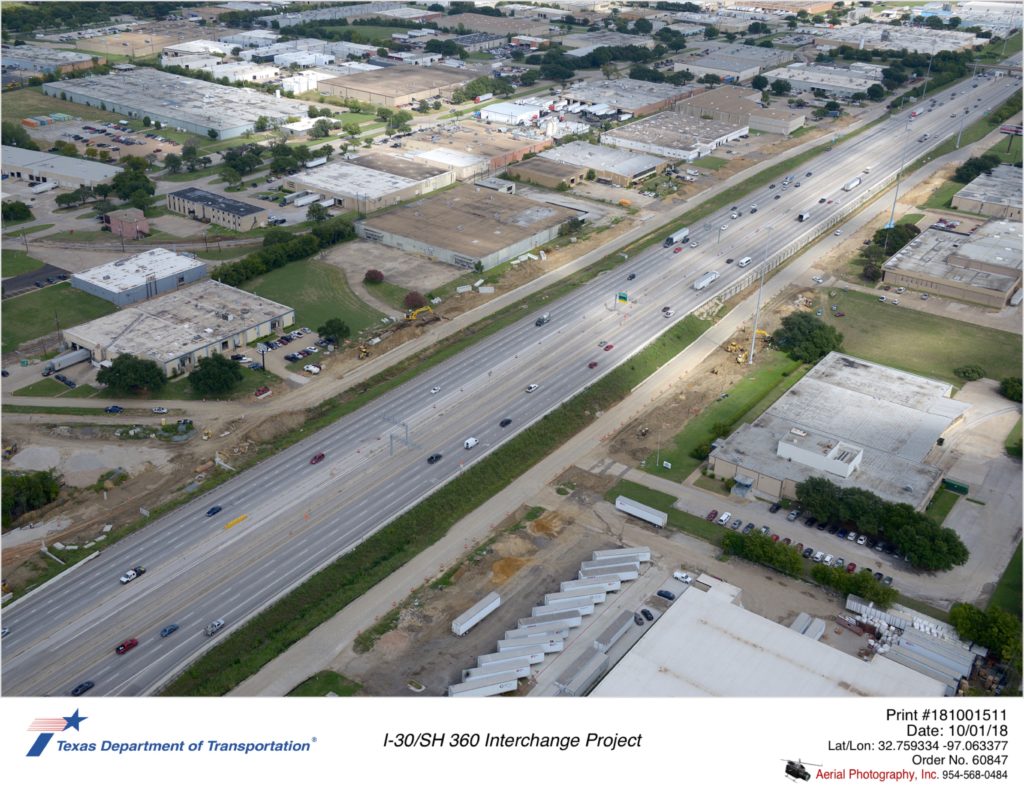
(292, 617)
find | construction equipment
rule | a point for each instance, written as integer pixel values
(363, 352)
(412, 315)
(732, 347)
(10, 449)
(763, 332)
(741, 358)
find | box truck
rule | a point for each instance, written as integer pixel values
(705, 280)
(679, 237)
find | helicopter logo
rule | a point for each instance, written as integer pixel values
(795, 770)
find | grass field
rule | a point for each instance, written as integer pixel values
(82, 391)
(1008, 590)
(17, 232)
(1013, 441)
(317, 292)
(940, 506)
(687, 523)
(178, 389)
(751, 396)
(942, 196)
(31, 101)
(53, 410)
(32, 315)
(711, 163)
(910, 219)
(44, 387)
(1011, 155)
(388, 292)
(324, 682)
(17, 262)
(920, 342)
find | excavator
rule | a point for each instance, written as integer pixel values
(412, 315)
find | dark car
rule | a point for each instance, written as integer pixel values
(126, 646)
(631, 276)
(434, 458)
(712, 515)
(647, 614)
(667, 595)
(507, 421)
(774, 508)
(6, 373)
(808, 552)
(808, 174)
(777, 197)
(833, 529)
(748, 528)
(592, 364)
(609, 347)
(753, 211)
(114, 409)
(887, 581)
(878, 576)
(637, 619)
(82, 688)
(214, 511)
(168, 630)
(317, 459)
(38, 284)
(821, 200)
(810, 521)
(729, 260)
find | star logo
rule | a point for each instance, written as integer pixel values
(47, 726)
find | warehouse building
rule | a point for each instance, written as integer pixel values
(874, 36)
(372, 182)
(735, 62)
(836, 82)
(674, 136)
(177, 330)
(126, 223)
(637, 97)
(579, 45)
(473, 149)
(467, 226)
(997, 194)
(707, 644)
(852, 422)
(245, 72)
(220, 210)
(398, 86)
(793, 7)
(479, 42)
(510, 113)
(984, 268)
(43, 60)
(251, 38)
(38, 167)
(197, 47)
(622, 168)
(324, 14)
(140, 277)
(741, 106)
(178, 102)
(502, 26)
(547, 172)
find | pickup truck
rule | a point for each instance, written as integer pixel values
(132, 573)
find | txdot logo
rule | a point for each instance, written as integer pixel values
(50, 726)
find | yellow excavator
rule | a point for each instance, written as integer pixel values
(363, 352)
(412, 315)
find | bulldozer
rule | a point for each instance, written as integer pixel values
(732, 347)
(363, 352)
(741, 358)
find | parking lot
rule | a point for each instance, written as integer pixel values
(117, 139)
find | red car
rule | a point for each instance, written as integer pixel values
(317, 459)
(712, 516)
(775, 536)
(609, 347)
(678, 250)
(851, 567)
(126, 646)
(592, 364)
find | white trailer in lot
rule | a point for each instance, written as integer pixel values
(565, 609)
(485, 687)
(305, 200)
(476, 613)
(552, 646)
(596, 565)
(625, 572)
(517, 666)
(596, 594)
(578, 679)
(540, 628)
(609, 582)
(643, 553)
(570, 617)
(618, 627)
(540, 634)
(531, 656)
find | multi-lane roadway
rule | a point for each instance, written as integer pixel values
(287, 517)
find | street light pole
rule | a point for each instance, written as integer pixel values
(899, 176)
(760, 289)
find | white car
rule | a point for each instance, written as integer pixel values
(682, 576)
(312, 349)
(838, 233)
(862, 539)
(128, 576)
(313, 369)
(531, 388)
(724, 227)
(243, 360)
(435, 389)
(827, 560)
(693, 245)
(818, 556)
(724, 518)
(734, 216)
(851, 536)
(159, 410)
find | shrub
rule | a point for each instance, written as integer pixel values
(970, 373)
(373, 276)
(414, 300)
(1011, 388)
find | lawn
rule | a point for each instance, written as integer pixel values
(388, 292)
(751, 396)
(17, 262)
(18, 232)
(921, 343)
(687, 523)
(24, 102)
(32, 315)
(942, 197)
(44, 387)
(711, 163)
(940, 506)
(178, 389)
(318, 292)
(1009, 156)
(1013, 441)
(1008, 590)
(910, 219)
(324, 682)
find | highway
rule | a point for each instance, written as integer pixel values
(285, 518)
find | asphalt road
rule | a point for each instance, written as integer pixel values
(297, 517)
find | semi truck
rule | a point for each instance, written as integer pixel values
(680, 236)
(62, 361)
(305, 200)
(292, 197)
(851, 184)
(705, 280)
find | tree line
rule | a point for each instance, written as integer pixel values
(27, 491)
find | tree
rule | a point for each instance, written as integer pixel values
(975, 166)
(173, 163)
(321, 129)
(833, 107)
(759, 83)
(262, 124)
(642, 27)
(27, 491)
(215, 375)
(129, 374)
(414, 300)
(528, 78)
(710, 31)
(351, 128)
(16, 211)
(1011, 388)
(316, 213)
(212, 134)
(230, 175)
(710, 79)
(781, 87)
(876, 92)
(373, 276)
(334, 330)
(276, 236)
(399, 122)
(806, 338)
(13, 134)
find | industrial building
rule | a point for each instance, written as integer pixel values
(43, 60)
(197, 47)
(178, 329)
(510, 113)
(674, 136)
(245, 72)
(473, 149)
(706, 644)
(811, 7)
(874, 36)
(126, 223)
(502, 26)
(836, 82)
(37, 167)
(466, 226)
(290, 19)
(178, 102)
(479, 42)
(251, 38)
(741, 106)
(984, 268)
(623, 168)
(140, 277)
(310, 79)
(854, 423)
(997, 194)
(725, 21)
(547, 172)
(735, 62)
(398, 86)
(372, 181)
(218, 209)
(579, 45)
(637, 97)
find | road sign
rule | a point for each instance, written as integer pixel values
(622, 296)
(1010, 129)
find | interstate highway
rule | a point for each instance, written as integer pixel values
(299, 516)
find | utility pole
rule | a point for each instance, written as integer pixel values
(899, 176)
(760, 289)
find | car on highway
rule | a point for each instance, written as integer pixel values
(777, 197)
(808, 174)
(82, 688)
(435, 389)
(168, 630)
(734, 216)
(821, 200)
(434, 458)
(131, 574)
(771, 186)
(724, 227)
(114, 409)
(319, 457)
(214, 510)
(531, 388)
(712, 515)
(631, 276)
(638, 619)
(592, 364)
(808, 552)
(505, 421)
(159, 410)
(753, 210)
(839, 232)
(647, 614)
(693, 245)
(678, 250)
(609, 347)
(667, 595)
(126, 646)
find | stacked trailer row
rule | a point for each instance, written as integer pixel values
(609, 583)
(595, 593)
(643, 554)
(572, 617)
(531, 656)
(564, 610)
(581, 676)
(517, 666)
(485, 687)
(548, 646)
(610, 636)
